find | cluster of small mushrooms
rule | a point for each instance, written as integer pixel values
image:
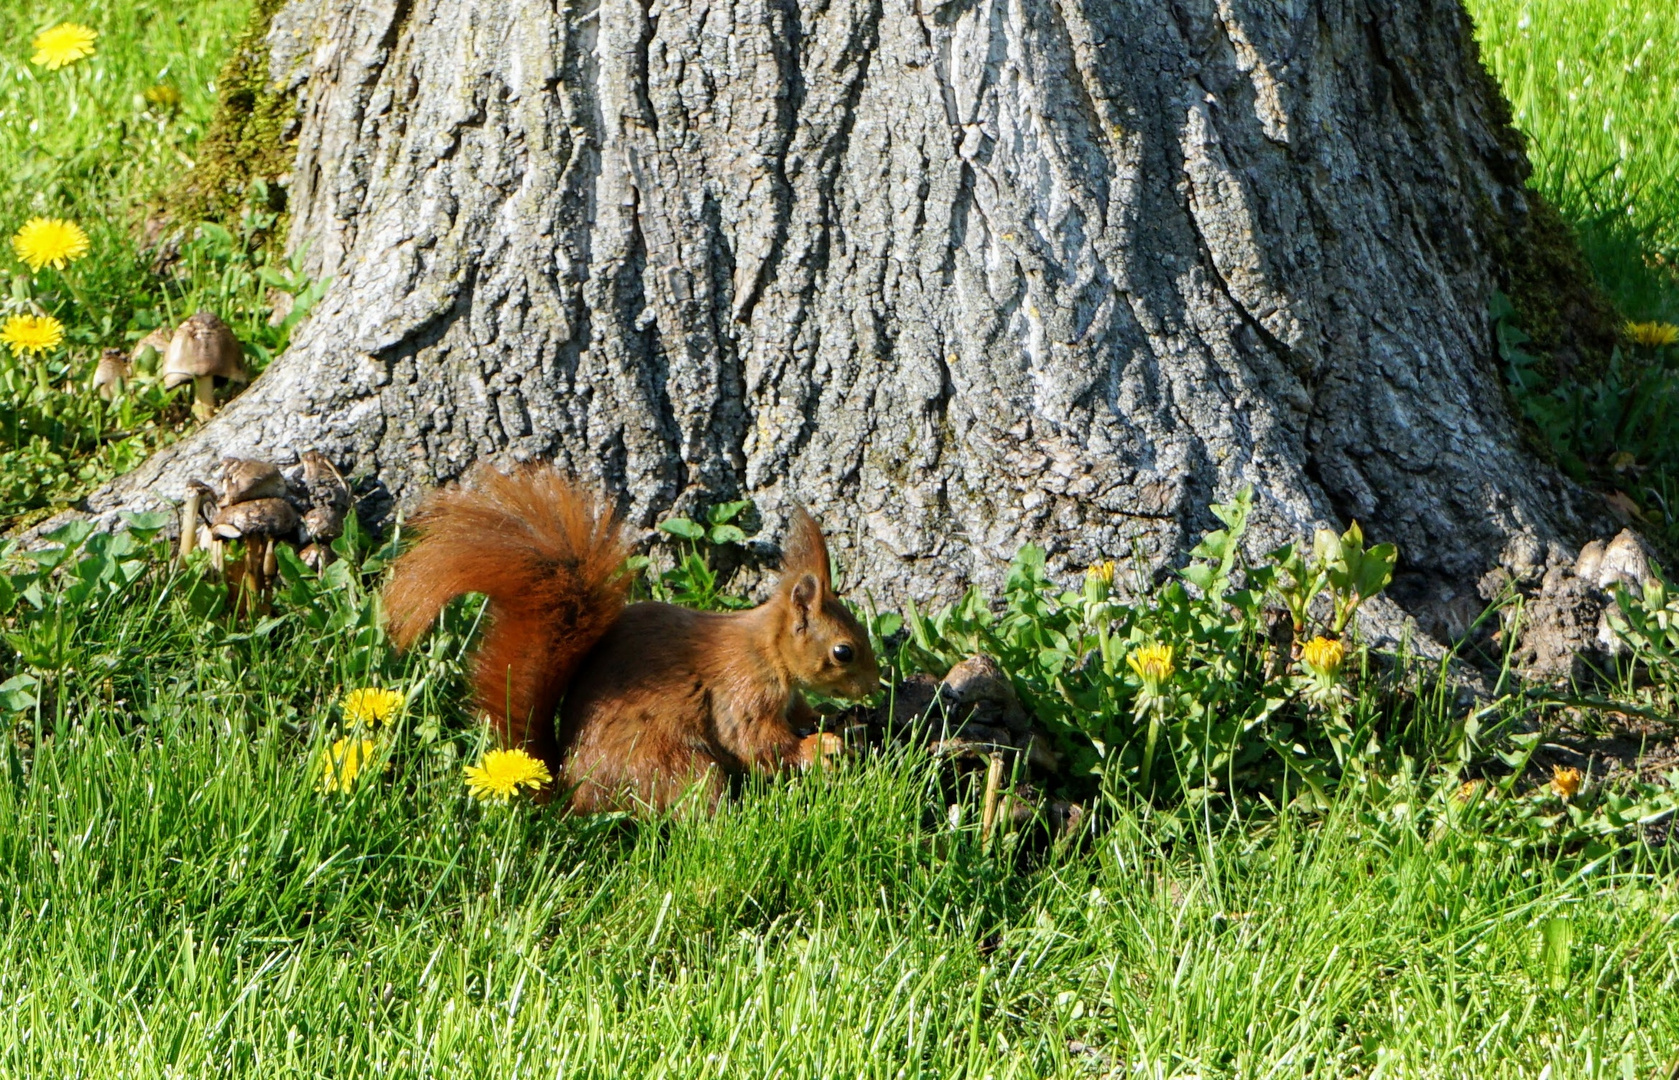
(200, 351)
(974, 722)
(264, 507)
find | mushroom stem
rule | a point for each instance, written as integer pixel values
(993, 787)
(204, 396)
(250, 580)
(266, 565)
(189, 523)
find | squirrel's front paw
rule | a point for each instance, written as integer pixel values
(824, 747)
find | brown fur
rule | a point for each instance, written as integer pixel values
(657, 698)
(549, 557)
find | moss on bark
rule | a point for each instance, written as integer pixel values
(1558, 301)
(252, 136)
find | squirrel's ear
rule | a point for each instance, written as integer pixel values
(805, 594)
(805, 552)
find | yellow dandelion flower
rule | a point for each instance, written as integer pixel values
(500, 773)
(1467, 791)
(63, 45)
(31, 333)
(1152, 663)
(1102, 571)
(344, 762)
(1565, 781)
(371, 707)
(164, 96)
(1652, 335)
(1323, 656)
(50, 242)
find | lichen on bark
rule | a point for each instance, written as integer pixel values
(1558, 302)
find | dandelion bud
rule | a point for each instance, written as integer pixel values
(1322, 657)
(1099, 580)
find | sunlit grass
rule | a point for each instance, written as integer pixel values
(84, 144)
(1595, 87)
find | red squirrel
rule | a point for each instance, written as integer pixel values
(651, 699)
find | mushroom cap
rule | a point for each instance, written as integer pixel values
(316, 556)
(157, 341)
(266, 519)
(323, 524)
(324, 481)
(203, 346)
(244, 479)
(113, 368)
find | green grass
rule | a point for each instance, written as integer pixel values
(1595, 87)
(178, 898)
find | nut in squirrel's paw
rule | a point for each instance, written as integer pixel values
(824, 747)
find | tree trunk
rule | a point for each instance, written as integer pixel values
(958, 277)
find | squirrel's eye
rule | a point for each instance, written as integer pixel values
(843, 653)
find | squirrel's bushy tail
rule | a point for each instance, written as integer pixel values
(549, 556)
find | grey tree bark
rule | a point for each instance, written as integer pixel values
(959, 276)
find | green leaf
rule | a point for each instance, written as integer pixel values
(1556, 944)
(1199, 575)
(1375, 571)
(682, 527)
(723, 513)
(338, 578)
(1234, 513)
(145, 526)
(727, 534)
(17, 693)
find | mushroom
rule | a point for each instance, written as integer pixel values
(203, 350)
(330, 499)
(111, 374)
(245, 479)
(157, 343)
(324, 481)
(323, 524)
(316, 557)
(259, 523)
(198, 496)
